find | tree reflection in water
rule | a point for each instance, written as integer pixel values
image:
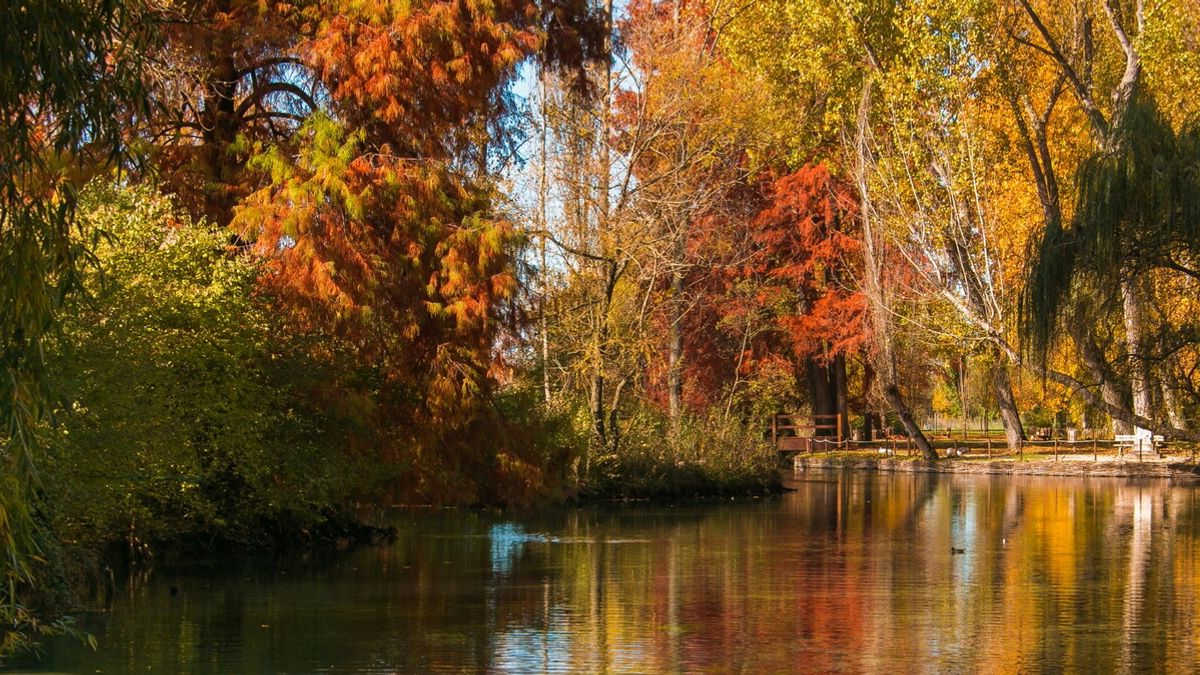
(851, 572)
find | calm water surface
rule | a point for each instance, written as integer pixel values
(851, 572)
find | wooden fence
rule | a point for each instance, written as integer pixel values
(793, 433)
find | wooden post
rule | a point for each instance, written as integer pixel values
(1021, 450)
(989, 442)
(1095, 455)
(839, 430)
(775, 429)
(1056, 448)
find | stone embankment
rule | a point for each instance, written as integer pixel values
(1064, 465)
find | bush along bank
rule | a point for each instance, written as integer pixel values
(703, 457)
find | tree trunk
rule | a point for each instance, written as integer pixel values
(1093, 359)
(891, 392)
(840, 395)
(869, 425)
(1171, 403)
(1006, 403)
(879, 312)
(820, 388)
(220, 132)
(599, 437)
(605, 269)
(1139, 371)
(675, 348)
(543, 189)
(614, 428)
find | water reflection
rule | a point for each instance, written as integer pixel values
(852, 572)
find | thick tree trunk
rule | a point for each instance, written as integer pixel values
(892, 393)
(1093, 359)
(1139, 370)
(869, 426)
(1006, 403)
(840, 394)
(220, 132)
(1171, 403)
(820, 387)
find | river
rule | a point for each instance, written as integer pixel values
(851, 572)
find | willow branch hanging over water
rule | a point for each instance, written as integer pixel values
(1138, 210)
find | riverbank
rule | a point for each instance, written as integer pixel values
(1169, 467)
(671, 481)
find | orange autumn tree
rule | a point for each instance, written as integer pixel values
(806, 254)
(779, 292)
(377, 226)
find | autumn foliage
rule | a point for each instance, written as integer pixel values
(779, 288)
(376, 225)
(807, 252)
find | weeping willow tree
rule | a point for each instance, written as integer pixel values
(69, 81)
(1138, 212)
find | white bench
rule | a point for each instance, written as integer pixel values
(1131, 441)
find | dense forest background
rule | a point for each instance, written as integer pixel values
(266, 264)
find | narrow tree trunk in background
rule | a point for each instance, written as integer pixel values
(1006, 404)
(545, 225)
(614, 429)
(599, 438)
(605, 270)
(676, 305)
(605, 169)
(675, 347)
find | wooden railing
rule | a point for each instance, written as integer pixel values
(804, 434)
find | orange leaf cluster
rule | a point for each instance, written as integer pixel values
(808, 254)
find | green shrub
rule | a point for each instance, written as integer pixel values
(180, 414)
(707, 455)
